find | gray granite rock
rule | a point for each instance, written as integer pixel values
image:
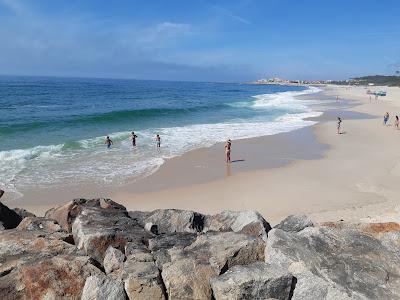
(38, 223)
(295, 223)
(249, 222)
(171, 220)
(66, 214)
(95, 229)
(142, 280)
(23, 212)
(210, 255)
(254, 281)
(349, 262)
(101, 287)
(113, 260)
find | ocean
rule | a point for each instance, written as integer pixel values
(52, 130)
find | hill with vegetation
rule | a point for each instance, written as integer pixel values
(375, 79)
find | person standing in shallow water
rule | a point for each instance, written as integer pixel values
(228, 146)
(339, 123)
(133, 138)
(385, 118)
(158, 141)
(108, 142)
(396, 122)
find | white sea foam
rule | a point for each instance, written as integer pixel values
(91, 161)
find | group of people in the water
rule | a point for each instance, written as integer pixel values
(109, 141)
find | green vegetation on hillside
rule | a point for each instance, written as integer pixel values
(376, 80)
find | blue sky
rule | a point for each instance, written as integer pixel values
(200, 40)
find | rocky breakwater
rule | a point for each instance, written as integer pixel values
(96, 249)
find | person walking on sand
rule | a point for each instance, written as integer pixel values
(158, 141)
(337, 98)
(108, 142)
(133, 138)
(396, 122)
(228, 146)
(385, 118)
(339, 124)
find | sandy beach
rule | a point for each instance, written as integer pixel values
(355, 178)
(311, 171)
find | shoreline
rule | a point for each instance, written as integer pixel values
(256, 186)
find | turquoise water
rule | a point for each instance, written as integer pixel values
(52, 130)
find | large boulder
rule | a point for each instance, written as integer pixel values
(101, 287)
(95, 229)
(113, 260)
(142, 280)
(295, 223)
(65, 214)
(40, 265)
(210, 255)
(160, 245)
(8, 218)
(56, 277)
(23, 212)
(38, 223)
(168, 241)
(249, 222)
(254, 281)
(349, 263)
(171, 220)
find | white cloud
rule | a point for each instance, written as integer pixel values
(228, 13)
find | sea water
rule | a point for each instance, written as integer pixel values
(52, 130)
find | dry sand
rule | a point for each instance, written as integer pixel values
(348, 176)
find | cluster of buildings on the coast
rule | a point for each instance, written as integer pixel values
(366, 80)
(290, 82)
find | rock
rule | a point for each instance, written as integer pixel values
(57, 277)
(210, 255)
(101, 287)
(23, 213)
(348, 262)
(142, 280)
(133, 251)
(187, 278)
(160, 245)
(249, 222)
(171, 220)
(254, 281)
(374, 229)
(37, 223)
(1, 193)
(113, 260)
(95, 229)
(167, 241)
(65, 214)
(140, 217)
(36, 265)
(295, 223)
(9, 218)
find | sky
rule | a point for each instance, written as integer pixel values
(199, 40)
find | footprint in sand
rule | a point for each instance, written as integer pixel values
(395, 170)
(369, 188)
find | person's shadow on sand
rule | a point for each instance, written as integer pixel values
(343, 132)
(237, 160)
